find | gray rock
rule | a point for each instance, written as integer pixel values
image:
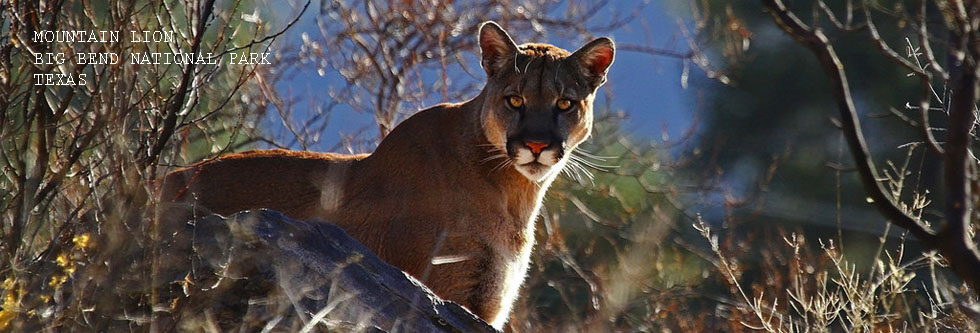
(282, 274)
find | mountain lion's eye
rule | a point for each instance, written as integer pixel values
(515, 101)
(564, 104)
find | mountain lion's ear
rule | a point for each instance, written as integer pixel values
(594, 59)
(496, 46)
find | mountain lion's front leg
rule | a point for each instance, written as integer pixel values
(499, 281)
(467, 274)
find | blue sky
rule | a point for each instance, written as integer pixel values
(648, 88)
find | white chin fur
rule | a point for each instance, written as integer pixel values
(538, 171)
(534, 173)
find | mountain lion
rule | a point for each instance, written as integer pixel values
(451, 194)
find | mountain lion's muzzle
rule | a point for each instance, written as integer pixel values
(534, 156)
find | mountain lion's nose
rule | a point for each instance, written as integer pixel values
(536, 146)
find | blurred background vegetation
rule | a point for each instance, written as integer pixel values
(720, 194)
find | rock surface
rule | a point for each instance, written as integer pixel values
(285, 274)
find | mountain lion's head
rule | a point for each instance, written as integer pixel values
(538, 98)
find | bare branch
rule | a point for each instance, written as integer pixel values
(818, 43)
(954, 241)
(655, 51)
(926, 47)
(957, 244)
(843, 26)
(884, 48)
(177, 101)
(924, 127)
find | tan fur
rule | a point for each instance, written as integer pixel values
(430, 193)
(543, 50)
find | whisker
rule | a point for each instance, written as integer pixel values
(574, 173)
(492, 148)
(588, 174)
(593, 164)
(588, 154)
(569, 170)
(581, 172)
(496, 150)
(492, 157)
(603, 168)
(502, 165)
